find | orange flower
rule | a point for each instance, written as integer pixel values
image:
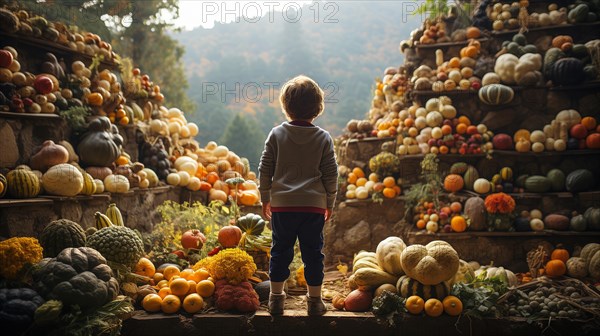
(499, 203)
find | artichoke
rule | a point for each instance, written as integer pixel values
(385, 164)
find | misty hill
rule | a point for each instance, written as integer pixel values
(344, 57)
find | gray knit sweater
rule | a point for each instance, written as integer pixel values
(298, 167)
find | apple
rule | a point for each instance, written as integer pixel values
(43, 84)
(6, 58)
(193, 239)
(447, 228)
(536, 224)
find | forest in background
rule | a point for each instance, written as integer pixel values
(344, 57)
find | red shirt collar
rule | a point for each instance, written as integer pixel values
(301, 123)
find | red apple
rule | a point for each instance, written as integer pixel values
(193, 239)
(229, 236)
(43, 84)
(6, 58)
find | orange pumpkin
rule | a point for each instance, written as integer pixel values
(414, 304)
(555, 268)
(471, 51)
(338, 301)
(560, 254)
(229, 236)
(145, 267)
(454, 62)
(434, 307)
(95, 99)
(452, 305)
(453, 183)
(473, 32)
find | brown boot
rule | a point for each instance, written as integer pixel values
(315, 306)
(276, 303)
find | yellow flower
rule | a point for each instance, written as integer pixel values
(17, 252)
(232, 264)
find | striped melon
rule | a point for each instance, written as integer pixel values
(89, 186)
(471, 175)
(373, 277)
(59, 235)
(459, 168)
(506, 174)
(22, 183)
(496, 94)
(408, 286)
(2, 185)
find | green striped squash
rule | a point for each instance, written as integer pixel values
(496, 179)
(60, 234)
(506, 174)
(459, 168)
(22, 183)
(89, 186)
(114, 214)
(496, 94)
(471, 175)
(102, 221)
(2, 185)
(408, 286)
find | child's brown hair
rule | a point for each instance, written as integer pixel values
(302, 98)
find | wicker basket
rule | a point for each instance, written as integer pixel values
(261, 259)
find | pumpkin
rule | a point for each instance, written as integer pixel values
(18, 308)
(414, 304)
(144, 267)
(505, 275)
(407, 287)
(193, 239)
(592, 218)
(560, 254)
(502, 141)
(118, 244)
(229, 236)
(496, 94)
(555, 268)
(22, 183)
(50, 154)
(490, 78)
(430, 264)
(465, 273)
(557, 179)
(576, 268)
(101, 144)
(578, 223)
(388, 254)
(116, 183)
(338, 301)
(568, 71)
(471, 175)
(594, 267)
(60, 234)
(434, 307)
(523, 146)
(505, 68)
(481, 186)
(522, 134)
(385, 287)
(251, 223)
(99, 173)
(568, 117)
(452, 305)
(580, 180)
(453, 183)
(99, 186)
(475, 211)
(63, 180)
(459, 168)
(358, 301)
(538, 184)
(2, 185)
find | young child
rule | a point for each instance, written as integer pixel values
(298, 186)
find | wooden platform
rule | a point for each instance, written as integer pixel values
(296, 322)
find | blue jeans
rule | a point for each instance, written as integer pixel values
(308, 229)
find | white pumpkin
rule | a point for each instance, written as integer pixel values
(448, 111)
(116, 183)
(430, 264)
(434, 119)
(505, 275)
(173, 179)
(99, 186)
(481, 186)
(388, 253)
(63, 180)
(576, 268)
(569, 117)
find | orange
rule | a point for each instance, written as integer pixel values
(464, 120)
(193, 303)
(121, 113)
(434, 307)
(421, 224)
(409, 122)
(199, 275)
(352, 178)
(389, 182)
(179, 286)
(389, 192)
(358, 172)
(173, 278)
(192, 289)
(144, 266)
(158, 277)
(212, 177)
(452, 305)
(186, 273)
(169, 271)
(414, 304)
(456, 207)
(152, 303)
(458, 224)
(361, 181)
(443, 150)
(461, 128)
(170, 304)
(164, 292)
(124, 121)
(454, 62)
(205, 288)
(446, 129)
(162, 283)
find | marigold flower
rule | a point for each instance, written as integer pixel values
(499, 203)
